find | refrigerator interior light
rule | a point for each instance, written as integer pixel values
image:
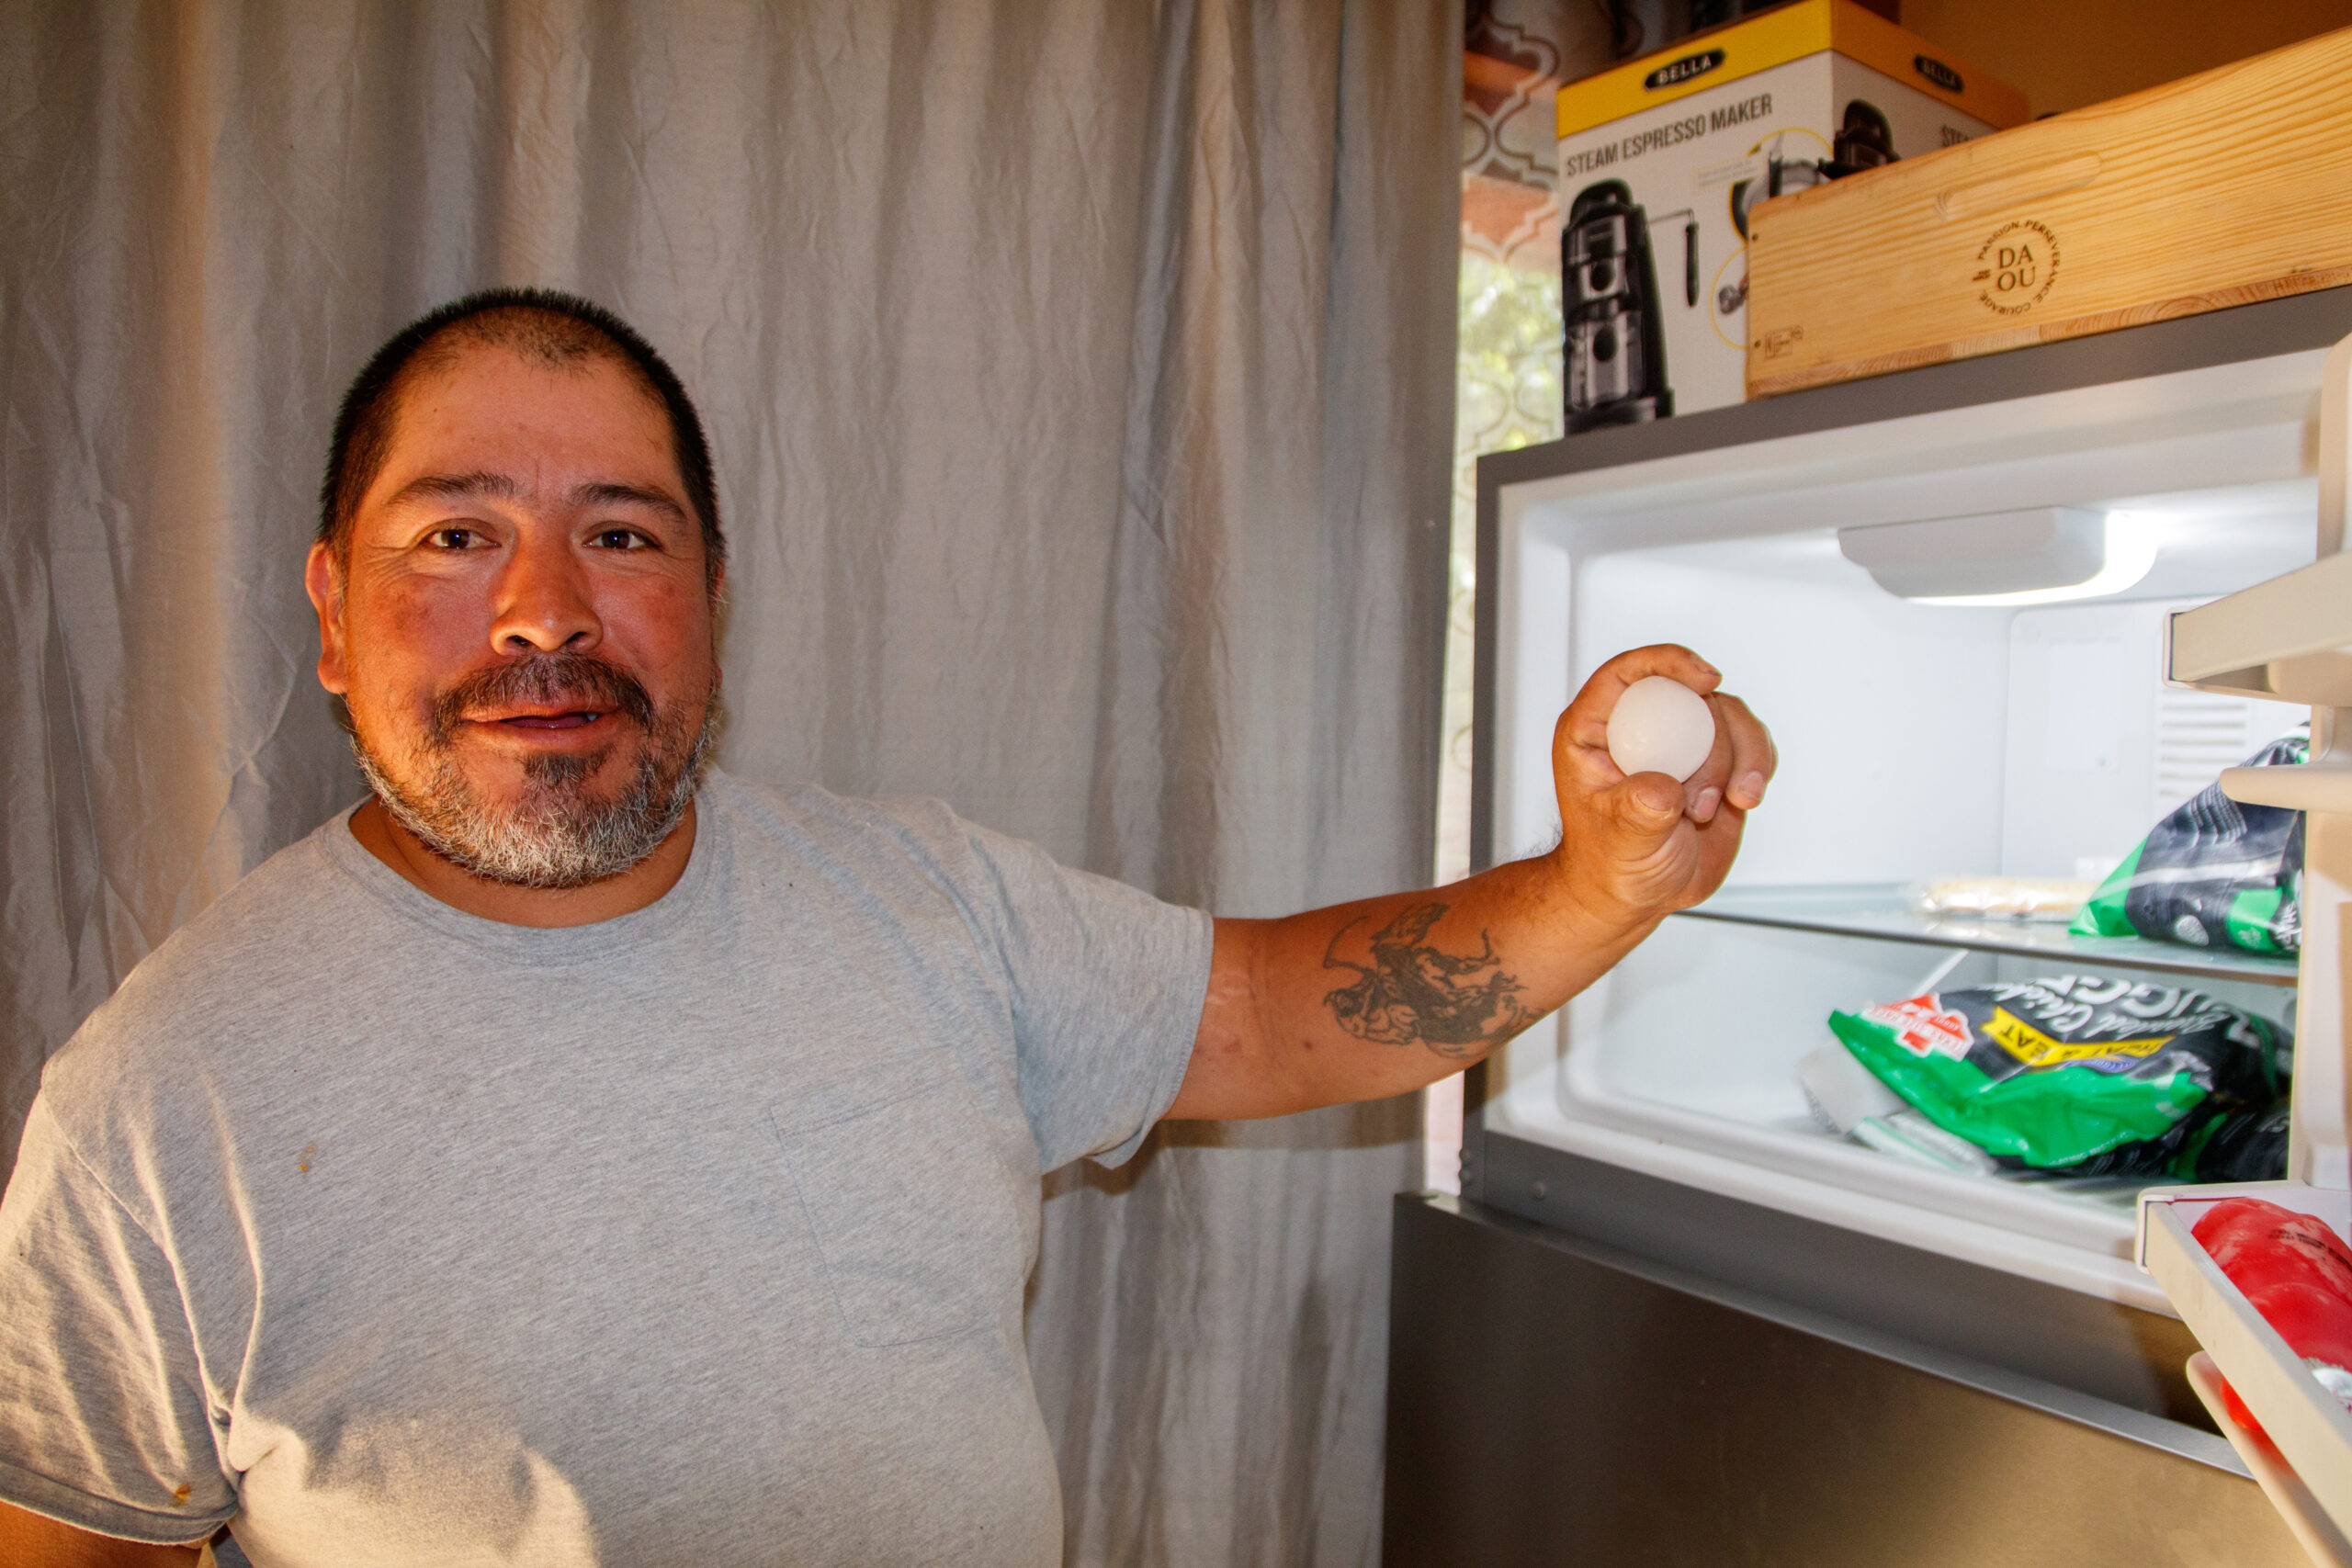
(2042, 556)
(2131, 554)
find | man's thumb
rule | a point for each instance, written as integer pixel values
(1649, 805)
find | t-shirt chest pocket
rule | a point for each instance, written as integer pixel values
(914, 1214)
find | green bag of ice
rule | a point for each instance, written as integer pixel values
(2075, 1072)
(2213, 872)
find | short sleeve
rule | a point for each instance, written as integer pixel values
(103, 1420)
(1107, 985)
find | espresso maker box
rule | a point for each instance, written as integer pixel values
(1661, 159)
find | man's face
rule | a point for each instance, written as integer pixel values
(522, 631)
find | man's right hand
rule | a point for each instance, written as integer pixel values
(1634, 849)
(30, 1541)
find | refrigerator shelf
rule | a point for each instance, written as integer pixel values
(1879, 912)
(2306, 1464)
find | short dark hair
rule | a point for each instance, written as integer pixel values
(540, 323)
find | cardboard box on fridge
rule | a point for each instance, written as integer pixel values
(1660, 160)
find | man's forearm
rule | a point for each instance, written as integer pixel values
(1373, 998)
(1363, 1000)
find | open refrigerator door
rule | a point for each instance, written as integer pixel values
(2290, 639)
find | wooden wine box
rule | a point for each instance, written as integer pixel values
(2215, 191)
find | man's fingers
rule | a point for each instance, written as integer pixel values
(1753, 757)
(1703, 792)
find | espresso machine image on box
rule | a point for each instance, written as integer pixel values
(1615, 340)
(1615, 349)
(1863, 142)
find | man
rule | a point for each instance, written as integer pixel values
(571, 1155)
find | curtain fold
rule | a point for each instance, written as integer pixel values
(1079, 377)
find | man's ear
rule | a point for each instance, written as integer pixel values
(323, 579)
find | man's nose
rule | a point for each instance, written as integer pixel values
(544, 601)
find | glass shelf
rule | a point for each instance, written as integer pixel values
(1879, 911)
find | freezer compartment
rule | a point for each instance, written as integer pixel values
(1918, 741)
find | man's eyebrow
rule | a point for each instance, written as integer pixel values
(610, 493)
(485, 482)
(456, 487)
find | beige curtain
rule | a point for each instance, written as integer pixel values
(1078, 374)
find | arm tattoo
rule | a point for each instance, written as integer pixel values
(1412, 992)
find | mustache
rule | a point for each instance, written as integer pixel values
(544, 678)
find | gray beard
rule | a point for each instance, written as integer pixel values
(556, 835)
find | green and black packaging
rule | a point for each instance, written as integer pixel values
(2213, 872)
(2087, 1075)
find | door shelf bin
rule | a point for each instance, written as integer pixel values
(2283, 639)
(2306, 1467)
(2284, 1488)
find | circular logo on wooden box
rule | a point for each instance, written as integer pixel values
(2015, 266)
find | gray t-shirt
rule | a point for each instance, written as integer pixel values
(696, 1237)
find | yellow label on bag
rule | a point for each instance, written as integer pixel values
(2035, 1049)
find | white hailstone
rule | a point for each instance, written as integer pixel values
(1661, 726)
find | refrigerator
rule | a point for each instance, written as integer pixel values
(2002, 615)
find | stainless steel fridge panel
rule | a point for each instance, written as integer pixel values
(2114, 1353)
(1556, 1402)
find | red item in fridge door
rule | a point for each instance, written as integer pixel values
(2256, 1242)
(2239, 1413)
(2317, 1325)
(2297, 1272)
